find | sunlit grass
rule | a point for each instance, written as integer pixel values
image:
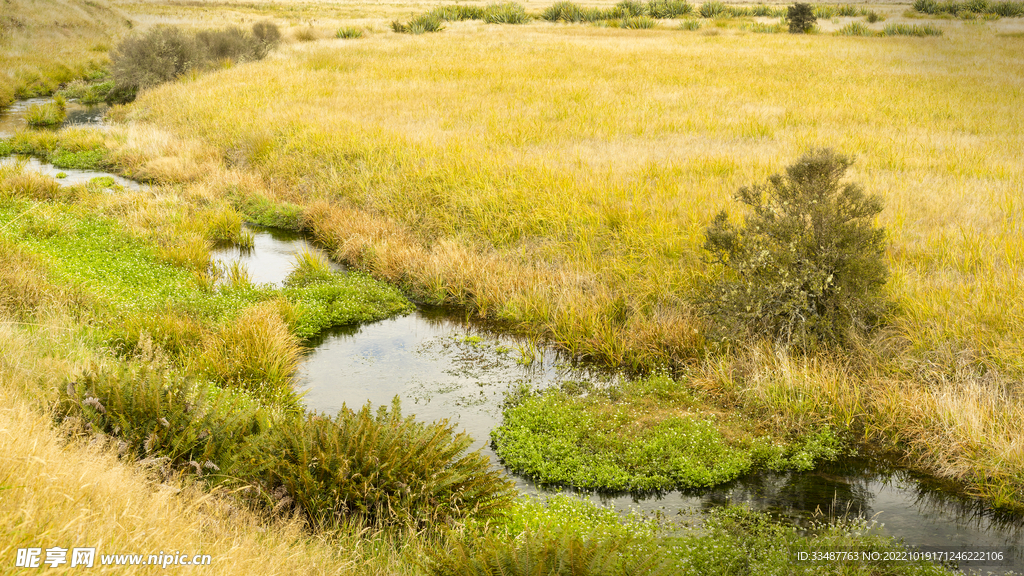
(561, 178)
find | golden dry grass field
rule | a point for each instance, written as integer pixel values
(559, 178)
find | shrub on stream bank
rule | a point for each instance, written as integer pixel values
(166, 52)
(808, 265)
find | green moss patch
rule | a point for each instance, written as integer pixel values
(647, 435)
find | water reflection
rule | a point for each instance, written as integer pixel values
(12, 118)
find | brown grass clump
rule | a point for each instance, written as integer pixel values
(256, 351)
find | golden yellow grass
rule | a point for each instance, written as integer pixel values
(70, 494)
(560, 178)
(44, 43)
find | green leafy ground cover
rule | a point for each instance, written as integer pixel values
(639, 436)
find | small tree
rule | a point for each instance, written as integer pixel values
(807, 264)
(801, 18)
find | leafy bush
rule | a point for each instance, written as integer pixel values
(690, 25)
(165, 53)
(874, 17)
(386, 469)
(807, 265)
(349, 32)
(713, 9)
(669, 8)
(506, 13)
(911, 30)
(801, 18)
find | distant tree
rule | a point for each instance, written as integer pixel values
(801, 18)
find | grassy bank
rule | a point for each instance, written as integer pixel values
(77, 260)
(46, 43)
(568, 197)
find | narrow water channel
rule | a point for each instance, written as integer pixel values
(443, 367)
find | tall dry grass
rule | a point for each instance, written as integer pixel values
(44, 43)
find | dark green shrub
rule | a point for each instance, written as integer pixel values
(690, 25)
(388, 470)
(713, 9)
(807, 265)
(874, 17)
(159, 56)
(926, 6)
(801, 18)
(506, 13)
(669, 8)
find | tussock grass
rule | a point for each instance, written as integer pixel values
(47, 115)
(256, 352)
(900, 29)
(349, 32)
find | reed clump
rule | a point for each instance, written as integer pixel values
(47, 115)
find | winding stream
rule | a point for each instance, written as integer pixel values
(444, 367)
